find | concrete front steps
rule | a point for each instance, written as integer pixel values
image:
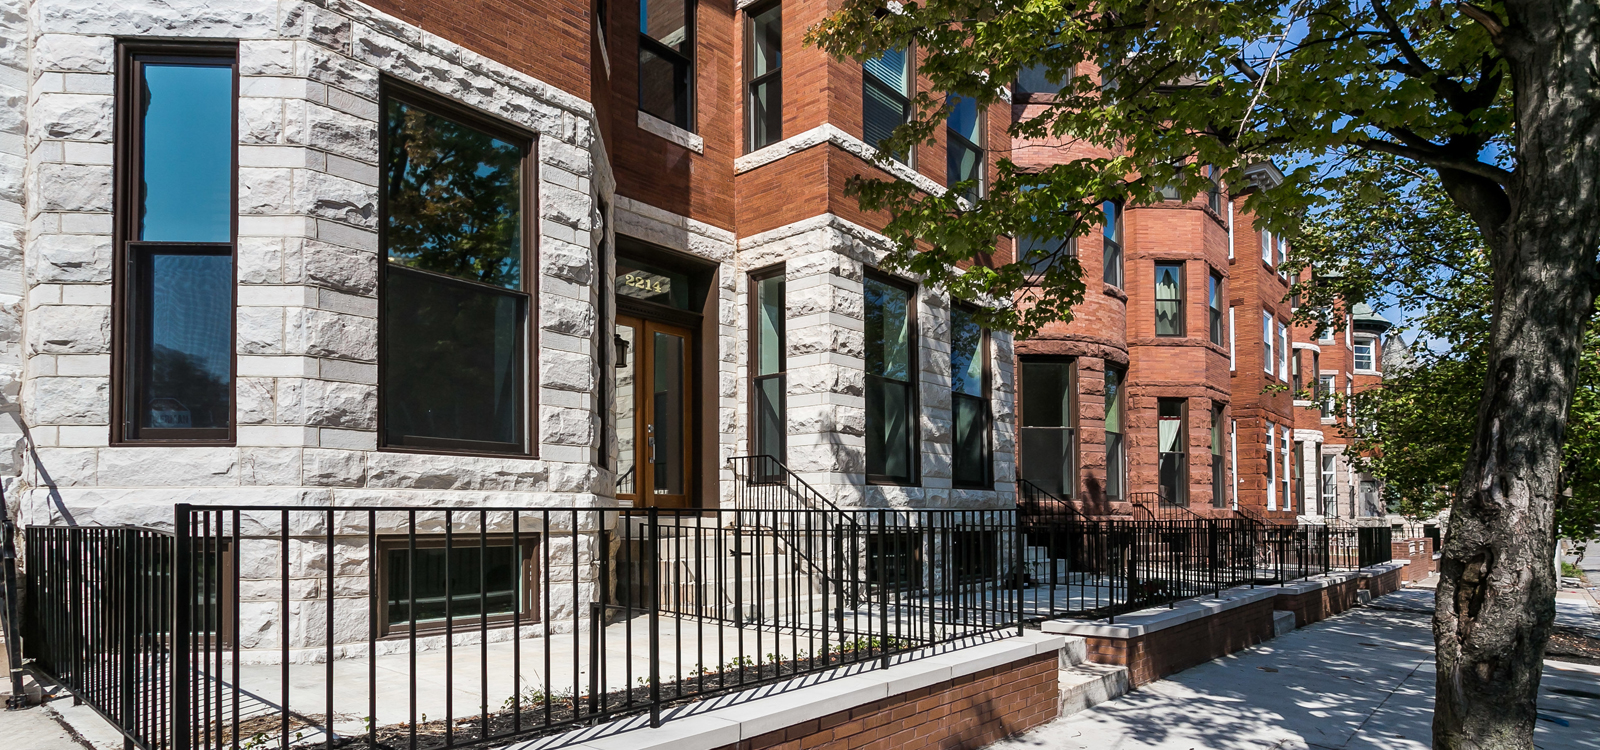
(1085, 684)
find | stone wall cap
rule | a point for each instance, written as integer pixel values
(1372, 571)
(1147, 621)
(726, 720)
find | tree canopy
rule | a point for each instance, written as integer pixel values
(1391, 234)
(1168, 89)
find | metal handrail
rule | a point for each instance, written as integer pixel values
(1156, 508)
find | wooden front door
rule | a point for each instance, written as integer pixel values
(654, 402)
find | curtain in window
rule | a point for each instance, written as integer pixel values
(1169, 300)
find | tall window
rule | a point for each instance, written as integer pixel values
(1046, 432)
(1325, 394)
(666, 60)
(1218, 498)
(1266, 246)
(1297, 466)
(455, 299)
(1112, 242)
(964, 146)
(1329, 486)
(969, 400)
(1172, 437)
(763, 32)
(1284, 440)
(1364, 359)
(769, 427)
(1283, 352)
(175, 224)
(885, 96)
(1169, 299)
(1116, 448)
(1214, 301)
(1272, 466)
(1214, 193)
(1233, 343)
(1295, 375)
(891, 376)
(1267, 335)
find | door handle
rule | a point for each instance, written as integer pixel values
(650, 429)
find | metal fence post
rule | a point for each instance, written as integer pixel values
(1016, 535)
(653, 562)
(183, 601)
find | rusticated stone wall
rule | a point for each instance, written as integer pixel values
(307, 266)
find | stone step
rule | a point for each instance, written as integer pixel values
(1086, 685)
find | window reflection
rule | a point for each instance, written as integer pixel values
(187, 346)
(186, 186)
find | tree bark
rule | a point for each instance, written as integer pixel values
(1496, 598)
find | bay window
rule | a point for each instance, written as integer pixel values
(456, 297)
(891, 398)
(1172, 442)
(1214, 302)
(1169, 299)
(1046, 450)
(1116, 449)
(1218, 498)
(175, 245)
(1111, 243)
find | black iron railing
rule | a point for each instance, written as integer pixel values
(1079, 566)
(100, 620)
(1352, 547)
(392, 627)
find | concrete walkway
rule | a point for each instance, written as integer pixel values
(1363, 679)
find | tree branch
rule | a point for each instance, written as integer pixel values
(1436, 158)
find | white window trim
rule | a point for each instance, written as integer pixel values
(1233, 464)
(1233, 357)
(1272, 464)
(1283, 352)
(1371, 342)
(1266, 246)
(1286, 443)
(1267, 336)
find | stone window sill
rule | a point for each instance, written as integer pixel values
(666, 130)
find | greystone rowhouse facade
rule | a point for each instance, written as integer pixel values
(308, 254)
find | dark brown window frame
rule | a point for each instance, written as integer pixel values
(128, 162)
(910, 95)
(1116, 239)
(1182, 483)
(428, 101)
(1073, 480)
(1182, 300)
(986, 482)
(914, 431)
(1122, 434)
(751, 81)
(527, 614)
(952, 137)
(1219, 335)
(756, 277)
(1219, 454)
(646, 42)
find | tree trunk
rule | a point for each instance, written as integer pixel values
(1496, 597)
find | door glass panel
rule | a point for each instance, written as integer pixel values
(627, 355)
(665, 432)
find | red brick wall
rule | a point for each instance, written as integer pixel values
(1164, 652)
(546, 39)
(1384, 584)
(1420, 552)
(1319, 605)
(971, 711)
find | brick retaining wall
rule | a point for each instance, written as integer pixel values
(1318, 605)
(969, 711)
(1153, 656)
(1382, 583)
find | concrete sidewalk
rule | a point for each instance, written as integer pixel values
(1363, 679)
